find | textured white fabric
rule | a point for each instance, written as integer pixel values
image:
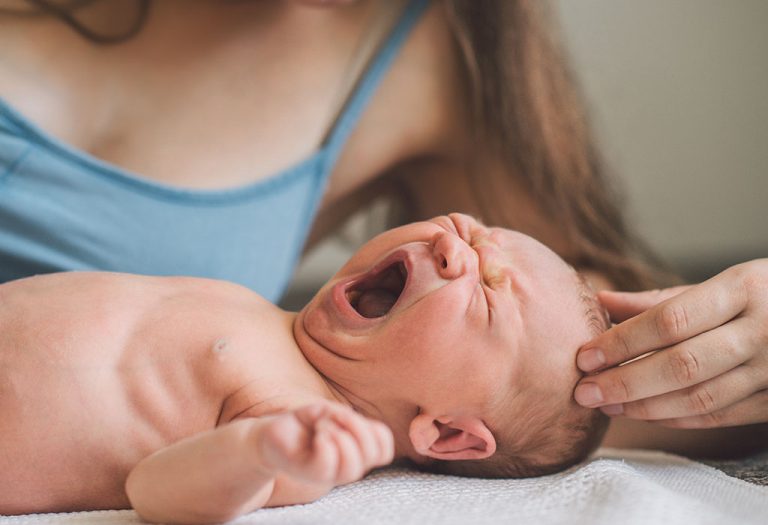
(617, 487)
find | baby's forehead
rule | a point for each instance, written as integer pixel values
(515, 247)
(511, 239)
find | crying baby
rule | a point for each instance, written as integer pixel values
(446, 343)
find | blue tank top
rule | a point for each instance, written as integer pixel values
(62, 209)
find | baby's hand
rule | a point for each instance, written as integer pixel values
(324, 443)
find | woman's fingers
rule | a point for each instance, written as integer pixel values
(694, 311)
(688, 363)
(624, 305)
(708, 362)
(698, 400)
(754, 409)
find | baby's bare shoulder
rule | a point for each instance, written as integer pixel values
(250, 347)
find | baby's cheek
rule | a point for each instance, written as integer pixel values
(422, 331)
(409, 335)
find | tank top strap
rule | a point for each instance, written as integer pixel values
(369, 81)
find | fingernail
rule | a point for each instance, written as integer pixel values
(588, 394)
(613, 410)
(590, 360)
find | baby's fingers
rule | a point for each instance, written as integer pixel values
(321, 464)
(350, 465)
(386, 443)
(309, 415)
(365, 432)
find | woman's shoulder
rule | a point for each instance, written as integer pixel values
(263, 95)
(419, 112)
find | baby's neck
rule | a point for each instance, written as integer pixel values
(267, 367)
(326, 364)
(331, 389)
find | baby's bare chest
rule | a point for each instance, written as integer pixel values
(92, 382)
(109, 352)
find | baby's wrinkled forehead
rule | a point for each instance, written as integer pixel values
(520, 251)
(512, 241)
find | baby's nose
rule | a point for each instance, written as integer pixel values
(453, 257)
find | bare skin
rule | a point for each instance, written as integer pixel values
(224, 74)
(706, 364)
(196, 401)
(451, 357)
(143, 362)
(257, 59)
(141, 105)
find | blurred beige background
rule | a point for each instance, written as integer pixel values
(678, 95)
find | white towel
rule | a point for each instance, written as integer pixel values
(616, 487)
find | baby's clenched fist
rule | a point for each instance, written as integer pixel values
(326, 443)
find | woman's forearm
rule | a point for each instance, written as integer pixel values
(210, 477)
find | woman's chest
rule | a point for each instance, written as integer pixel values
(223, 112)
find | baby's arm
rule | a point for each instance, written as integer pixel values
(231, 470)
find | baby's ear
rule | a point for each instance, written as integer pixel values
(451, 438)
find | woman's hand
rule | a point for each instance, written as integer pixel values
(709, 361)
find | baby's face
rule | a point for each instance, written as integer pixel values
(446, 315)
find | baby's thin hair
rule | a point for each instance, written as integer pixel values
(596, 314)
(542, 444)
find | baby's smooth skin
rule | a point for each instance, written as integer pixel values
(197, 401)
(101, 370)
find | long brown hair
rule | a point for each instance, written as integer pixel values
(527, 107)
(67, 12)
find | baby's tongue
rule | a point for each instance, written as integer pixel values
(375, 302)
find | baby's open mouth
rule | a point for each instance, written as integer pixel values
(376, 293)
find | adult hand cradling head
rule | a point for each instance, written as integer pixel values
(706, 349)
